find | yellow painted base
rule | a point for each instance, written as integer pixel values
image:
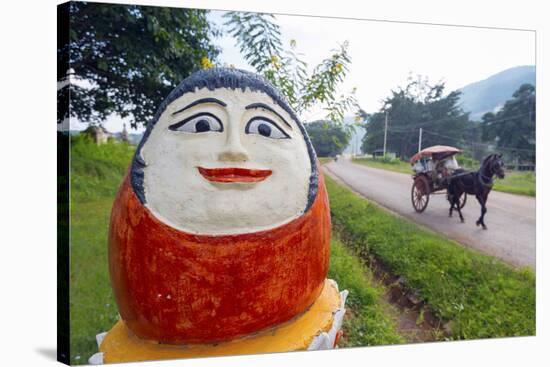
(121, 345)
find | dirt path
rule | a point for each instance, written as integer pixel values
(510, 218)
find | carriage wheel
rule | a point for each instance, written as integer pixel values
(462, 200)
(420, 194)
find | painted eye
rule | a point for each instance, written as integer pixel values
(200, 123)
(265, 127)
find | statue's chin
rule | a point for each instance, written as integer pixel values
(223, 220)
(235, 185)
(226, 208)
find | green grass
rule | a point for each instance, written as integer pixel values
(93, 308)
(480, 296)
(96, 173)
(366, 322)
(395, 165)
(520, 183)
(324, 160)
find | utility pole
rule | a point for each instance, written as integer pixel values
(420, 140)
(385, 132)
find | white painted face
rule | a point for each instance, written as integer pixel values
(225, 162)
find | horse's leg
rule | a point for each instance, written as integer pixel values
(478, 221)
(457, 203)
(454, 199)
(484, 196)
(482, 201)
(458, 191)
(483, 212)
(451, 200)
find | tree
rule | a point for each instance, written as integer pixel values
(419, 104)
(328, 139)
(259, 40)
(129, 57)
(513, 127)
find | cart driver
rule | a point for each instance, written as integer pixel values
(448, 166)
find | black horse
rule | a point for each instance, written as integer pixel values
(477, 183)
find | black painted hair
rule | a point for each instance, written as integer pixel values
(212, 79)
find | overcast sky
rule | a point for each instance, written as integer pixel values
(384, 53)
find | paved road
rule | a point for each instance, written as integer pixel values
(510, 218)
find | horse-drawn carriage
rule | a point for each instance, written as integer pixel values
(433, 168)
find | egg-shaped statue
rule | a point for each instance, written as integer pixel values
(222, 226)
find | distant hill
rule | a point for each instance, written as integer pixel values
(490, 94)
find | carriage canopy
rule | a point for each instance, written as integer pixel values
(436, 152)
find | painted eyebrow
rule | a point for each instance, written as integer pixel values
(263, 105)
(200, 101)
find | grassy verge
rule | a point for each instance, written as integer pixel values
(96, 173)
(324, 160)
(366, 322)
(93, 308)
(478, 295)
(394, 165)
(520, 183)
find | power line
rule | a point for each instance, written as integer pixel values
(461, 141)
(381, 132)
(476, 143)
(422, 124)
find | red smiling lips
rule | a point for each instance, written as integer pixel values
(234, 174)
